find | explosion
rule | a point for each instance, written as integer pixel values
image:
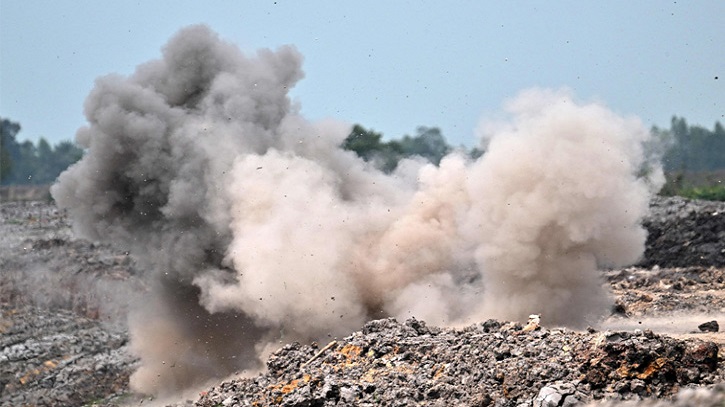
(255, 227)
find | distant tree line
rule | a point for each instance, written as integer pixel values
(29, 164)
(685, 149)
(692, 148)
(693, 159)
(428, 143)
(693, 156)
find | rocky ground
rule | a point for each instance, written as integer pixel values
(490, 363)
(63, 339)
(684, 232)
(55, 357)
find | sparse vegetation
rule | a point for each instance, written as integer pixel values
(710, 193)
(696, 185)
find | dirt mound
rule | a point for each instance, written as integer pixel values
(684, 232)
(491, 363)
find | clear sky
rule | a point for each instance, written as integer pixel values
(388, 65)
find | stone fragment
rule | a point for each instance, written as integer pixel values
(533, 323)
(547, 397)
(711, 326)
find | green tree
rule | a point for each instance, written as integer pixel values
(428, 143)
(694, 148)
(26, 163)
(5, 162)
(9, 148)
(368, 145)
(66, 153)
(365, 143)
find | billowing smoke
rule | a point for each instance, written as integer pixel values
(255, 228)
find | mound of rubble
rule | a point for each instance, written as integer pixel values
(487, 364)
(683, 232)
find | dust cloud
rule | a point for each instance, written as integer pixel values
(255, 228)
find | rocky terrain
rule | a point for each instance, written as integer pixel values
(56, 357)
(490, 363)
(63, 339)
(685, 233)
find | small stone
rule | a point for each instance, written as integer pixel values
(572, 400)
(637, 386)
(619, 308)
(533, 323)
(711, 326)
(348, 394)
(547, 397)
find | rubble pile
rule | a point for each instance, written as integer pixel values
(683, 232)
(490, 363)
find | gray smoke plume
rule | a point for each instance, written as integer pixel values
(255, 227)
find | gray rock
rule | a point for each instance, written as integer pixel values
(548, 397)
(711, 326)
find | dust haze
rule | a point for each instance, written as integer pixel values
(254, 228)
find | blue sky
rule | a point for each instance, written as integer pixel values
(388, 65)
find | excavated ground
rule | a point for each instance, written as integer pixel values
(63, 339)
